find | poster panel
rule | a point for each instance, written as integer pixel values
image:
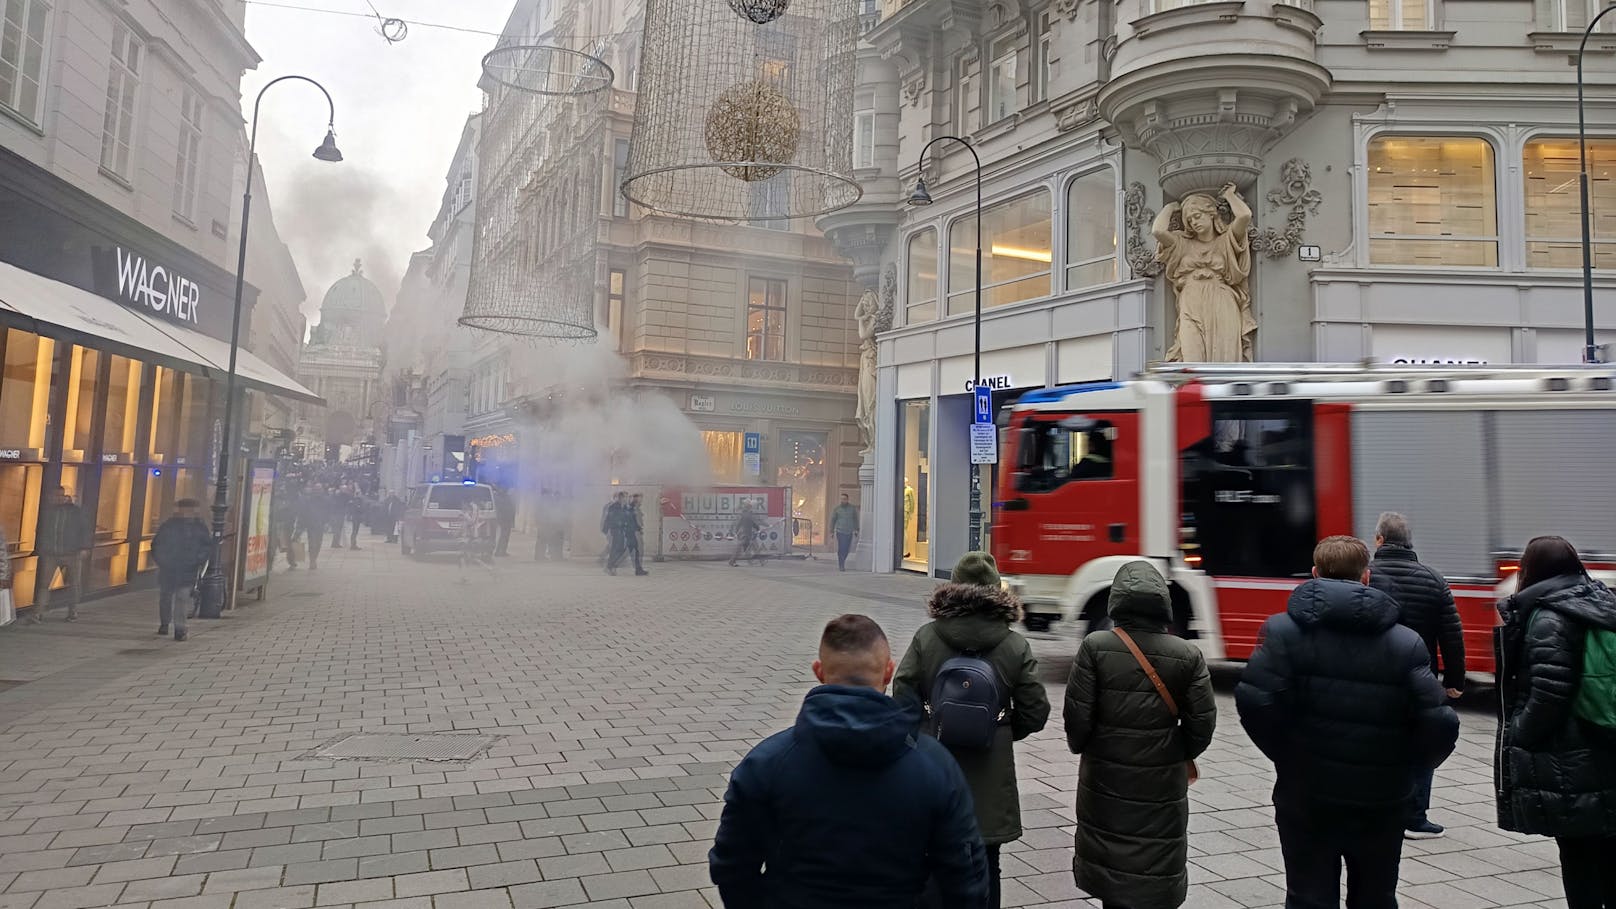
(260, 495)
(700, 523)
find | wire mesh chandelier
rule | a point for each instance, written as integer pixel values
(745, 109)
(535, 260)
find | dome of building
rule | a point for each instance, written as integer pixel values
(352, 308)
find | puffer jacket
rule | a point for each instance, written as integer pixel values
(969, 617)
(1132, 785)
(1342, 699)
(1555, 776)
(1425, 604)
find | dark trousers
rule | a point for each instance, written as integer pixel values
(844, 545)
(1421, 802)
(634, 553)
(931, 899)
(316, 540)
(172, 585)
(353, 537)
(503, 545)
(618, 550)
(1314, 855)
(1588, 872)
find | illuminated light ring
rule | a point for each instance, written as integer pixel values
(545, 69)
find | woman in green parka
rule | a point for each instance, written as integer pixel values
(1133, 806)
(974, 612)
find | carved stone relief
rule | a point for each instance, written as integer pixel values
(1137, 217)
(1297, 193)
(1067, 8)
(889, 298)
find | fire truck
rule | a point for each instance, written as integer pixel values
(1225, 476)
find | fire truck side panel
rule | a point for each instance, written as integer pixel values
(1556, 475)
(1332, 468)
(1242, 606)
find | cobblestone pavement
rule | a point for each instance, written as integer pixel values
(136, 772)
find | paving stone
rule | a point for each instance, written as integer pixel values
(321, 872)
(548, 894)
(431, 883)
(244, 879)
(277, 898)
(504, 874)
(214, 861)
(393, 864)
(52, 879)
(112, 852)
(138, 869)
(359, 891)
(79, 897)
(498, 898)
(462, 856)
(619, 885)
(574, 865)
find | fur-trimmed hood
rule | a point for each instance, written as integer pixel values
(952, 601)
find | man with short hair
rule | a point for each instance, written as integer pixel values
(1342, 699)
(1424, 604)
(614, 523)
(64, 536)
(844, 523)
(851, 807)
(634, 533)
(180, 548)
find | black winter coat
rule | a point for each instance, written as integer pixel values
(1342, 699)
(1555, 776)
(850, 808)
(1425, 604)
(181, 546)
(1133, 807)
(969, 617)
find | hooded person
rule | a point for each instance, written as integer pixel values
(973, 614)
(850, 807)
(1136, 742)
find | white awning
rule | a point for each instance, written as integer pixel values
(102, 323)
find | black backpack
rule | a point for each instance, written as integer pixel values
(966, 702)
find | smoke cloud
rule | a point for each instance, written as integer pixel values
(331, 216)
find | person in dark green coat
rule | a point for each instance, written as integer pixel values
(974, 612)
(1133, 807)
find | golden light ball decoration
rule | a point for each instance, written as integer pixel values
(750, 127)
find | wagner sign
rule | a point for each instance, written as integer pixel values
(141, 282)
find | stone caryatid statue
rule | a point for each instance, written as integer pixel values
(1208, 262)
(866, 314)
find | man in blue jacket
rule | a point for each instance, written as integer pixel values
(851, 807)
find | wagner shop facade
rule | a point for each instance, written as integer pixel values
(115, 343)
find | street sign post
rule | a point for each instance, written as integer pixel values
(984, 443)
(752, 454)
(984, 405)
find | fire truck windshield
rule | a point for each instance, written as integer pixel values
(1054, 452)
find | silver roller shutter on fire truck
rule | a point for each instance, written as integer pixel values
(1430, 466)
(1557, 475)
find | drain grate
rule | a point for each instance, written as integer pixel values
(425, 747)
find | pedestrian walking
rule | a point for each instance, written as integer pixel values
(476, 538)
(505, 518)
(1139, 710)
(1556, 760)
(616, 525)
(745, 529)
(636, 533)
(1342, 699)
(970, 640)
(181, 547)
(337, 512)
(850, 807)
(1425, 605)
(64, 538)
(606, 512)
(313, 516)
(392, 513)
(844, 522)
(357, 506)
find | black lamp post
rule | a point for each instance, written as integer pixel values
(921, 197)
(212, 597)
(1591, 353)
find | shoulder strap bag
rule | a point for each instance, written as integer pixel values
(1161, 689)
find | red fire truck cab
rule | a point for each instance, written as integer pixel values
(1225, 476)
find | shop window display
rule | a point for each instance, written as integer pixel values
(25, 393)
(123, 411)
(1554, 207)
(916, 477)
(84, 368)
(724, 454)
(802, 467)
(19, 515)
(1432, 202)
(109, 560)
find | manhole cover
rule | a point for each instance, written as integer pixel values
(382, 747)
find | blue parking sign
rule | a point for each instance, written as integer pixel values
(753, 443)
(984, 405)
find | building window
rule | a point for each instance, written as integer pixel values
(766, 319)
(22, 56)
(920, 299)
(188, 166)
(1158, 6)
(464, 192)
(1002, 80)
(1432, 201)
(769, 202)
(1046, 49)
(614, 307)
(1573, 15)
(1015, 254)
(619, 171)
(123, 80)
(1091, 230)
(864, 139)
(630, 66)
(969, 114)
(1554, 207)
(1401, 15)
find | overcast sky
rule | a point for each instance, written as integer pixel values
(400, 110)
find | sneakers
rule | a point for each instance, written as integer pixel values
(179, 637)
(1424, 830)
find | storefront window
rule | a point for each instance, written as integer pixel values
(123, 410)
(724, 454)
(802, 467)
(109, 561)
(1432, 202)
(916, 477)
(19, 515)
(1554, 208)
(165, 415)
(1015, 254)
(920, 300)
(195, 426)
(81, 404)
(25, 393)
(1091, 230)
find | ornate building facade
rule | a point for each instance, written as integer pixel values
(342, 363)
(1327, 180)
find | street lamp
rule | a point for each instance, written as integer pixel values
(1591, 353)
(212, 593)
(921, 197)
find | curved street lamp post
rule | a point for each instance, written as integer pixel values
(1590, 353)
(212, 591)
(921, 197)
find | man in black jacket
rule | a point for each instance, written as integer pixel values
(180, 548)
(1342, 699)
(1424, 604)
(852, 807)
